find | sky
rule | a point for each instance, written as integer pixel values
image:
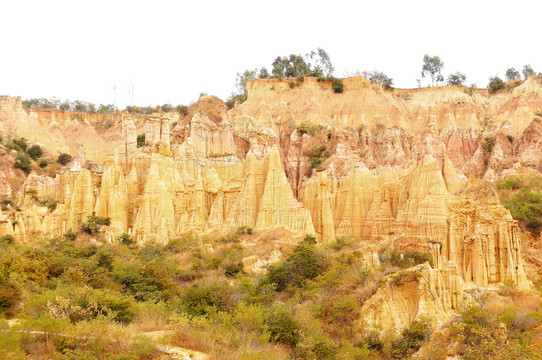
(171, 51)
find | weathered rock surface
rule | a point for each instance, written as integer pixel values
(436, 293)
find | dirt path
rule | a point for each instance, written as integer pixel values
(174, 351)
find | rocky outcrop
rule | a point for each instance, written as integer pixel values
(278, 207)
(436, 293)
(483, 239)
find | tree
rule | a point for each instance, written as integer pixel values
(432, 66)
(23, 162)
(322, 65)
(378, 77)
(64, 158)
(337, 86)
(495, 84)
(291, 66)
(242, 78)
(512, 74)
(527, 71)
(264, 74)
(35, 152)
(457, 79)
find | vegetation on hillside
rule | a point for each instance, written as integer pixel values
(522, 195)
(306, 307)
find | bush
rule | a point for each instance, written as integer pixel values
(7, 239)
(43, 164)
(206, 296)
(291, 84)
(125, 239)
(510, 138)
(305, 263)
(19, 145)
(511, 183)
(9, 299)
(408, 259)
(302, 129)
(526, 206)
(70, 235)
(283, 328)
(141, 140)
(495, 84)
(488, 144)
(337, 86)
(35, 152)
(23, 162)
(64, 159)
(315, 162)
(94, 223)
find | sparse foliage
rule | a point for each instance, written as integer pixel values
(512, 74)
(457, 79)
(378, 78)
(432, 66)
(495, 84)
(528, 71)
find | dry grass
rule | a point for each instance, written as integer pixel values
(225, 343)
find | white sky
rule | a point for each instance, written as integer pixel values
(171, 51)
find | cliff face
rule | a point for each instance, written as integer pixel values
(371, 164)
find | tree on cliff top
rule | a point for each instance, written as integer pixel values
(432, 66)
(457, 79)
(512, 74)
(316, 63)
(379, 78)
(527, 71)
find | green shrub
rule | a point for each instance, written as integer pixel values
(20, 145)
(125, 239)
(35, 152)
(292, 84)
(141, 140)
(315, 162)
(23, 162)
(94, 223)
(488, 144)
(10, 345)
(243, 230)
(411, 338)
(7, 239)
(302, 129)
(283, 327)
(408, 259)
(526, 206)
(317, 348)
(309, 239)
(345, 310)
(43, 164)
(305, 263)
(64, 159)
(206, 296)
(511, 183)
(232, 269)
(9, 299)
(495, 84)
(337, 86)
(137, 281)
(510, 138)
